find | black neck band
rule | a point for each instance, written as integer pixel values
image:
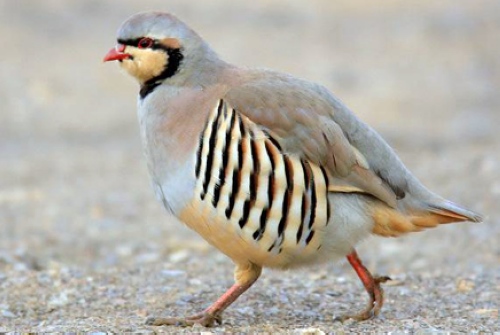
(174, 61)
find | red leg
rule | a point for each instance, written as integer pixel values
(245, 276)
(372, 286)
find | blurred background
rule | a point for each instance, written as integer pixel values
(74, 190)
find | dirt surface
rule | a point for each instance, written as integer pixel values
(84, 246)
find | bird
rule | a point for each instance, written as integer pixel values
(272, 170)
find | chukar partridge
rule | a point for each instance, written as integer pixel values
(272, 170)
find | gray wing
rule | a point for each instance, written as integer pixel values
(310, 123)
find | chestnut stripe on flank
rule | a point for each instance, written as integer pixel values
(325, 176)
(241, 128)
(264, 216)
(307, 173)
(234, 191)
(246, 149)
(269, 152)
(302, 216)
(257, 235)
(313, 201)
(236, 175)
(287, 197)
(271, 187)
(223, 170)
(289, 173)
(272, 139)
(246, 212)
(211, 147)
(309, 238)
(254, 176)
(200, 148)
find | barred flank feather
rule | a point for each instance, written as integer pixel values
(276, 200)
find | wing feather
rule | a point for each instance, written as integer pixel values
(301, 119)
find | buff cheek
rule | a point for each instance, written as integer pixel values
(145, 64)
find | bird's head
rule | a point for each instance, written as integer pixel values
(156, 46)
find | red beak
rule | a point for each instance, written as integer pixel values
(116, 53)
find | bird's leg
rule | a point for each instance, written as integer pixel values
(244, 275)
(372, 286)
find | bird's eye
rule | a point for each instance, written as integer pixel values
(144, 43)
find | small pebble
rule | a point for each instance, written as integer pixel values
(178, 256)
(464, 285)
(8, 314)
(172, 273)
(309, 331)
(487, 312)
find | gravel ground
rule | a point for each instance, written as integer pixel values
(84, 246)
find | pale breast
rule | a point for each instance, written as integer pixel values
(251, 201)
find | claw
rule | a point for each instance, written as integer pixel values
(372, 286)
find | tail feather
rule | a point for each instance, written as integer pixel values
(454, 212)
(391, 222)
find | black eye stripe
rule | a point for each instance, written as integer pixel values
(135, 41)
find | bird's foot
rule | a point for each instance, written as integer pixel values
(374, 305)
(204, 319)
